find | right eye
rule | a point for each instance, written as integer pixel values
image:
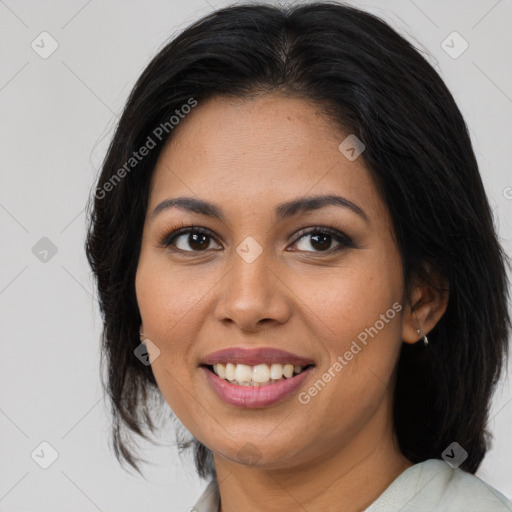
(197, 238)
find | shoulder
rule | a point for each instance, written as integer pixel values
(435, 486)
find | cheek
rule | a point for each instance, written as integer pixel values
(169, 297)
(343, 304)
(168, 307)
(169, 304)
(356, 316)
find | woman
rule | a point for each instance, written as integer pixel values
(293, 248)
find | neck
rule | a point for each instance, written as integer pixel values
(352, 477)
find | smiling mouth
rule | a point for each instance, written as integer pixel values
(257, 375)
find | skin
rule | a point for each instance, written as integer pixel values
(337, 452)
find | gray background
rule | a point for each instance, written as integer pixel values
(57, 117)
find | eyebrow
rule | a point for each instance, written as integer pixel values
(283, 211)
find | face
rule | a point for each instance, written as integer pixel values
(266, 277)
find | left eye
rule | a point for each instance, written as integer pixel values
(321, 239)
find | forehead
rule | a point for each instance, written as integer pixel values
(253, 152)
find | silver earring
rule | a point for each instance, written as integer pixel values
(425, 339)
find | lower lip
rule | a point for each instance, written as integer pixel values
(255, 396)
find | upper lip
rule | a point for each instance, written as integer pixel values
(254, 356)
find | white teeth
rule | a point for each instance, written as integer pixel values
(230, 371)
(246, 375)
(260, 373)
(276, 371)
(288, 370)
(243, 373)
(220, 370)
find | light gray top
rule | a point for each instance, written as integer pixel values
(431, 486)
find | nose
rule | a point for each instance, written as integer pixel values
(253, 296)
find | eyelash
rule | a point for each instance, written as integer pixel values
(343, 240)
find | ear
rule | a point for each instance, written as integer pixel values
(428, 302)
